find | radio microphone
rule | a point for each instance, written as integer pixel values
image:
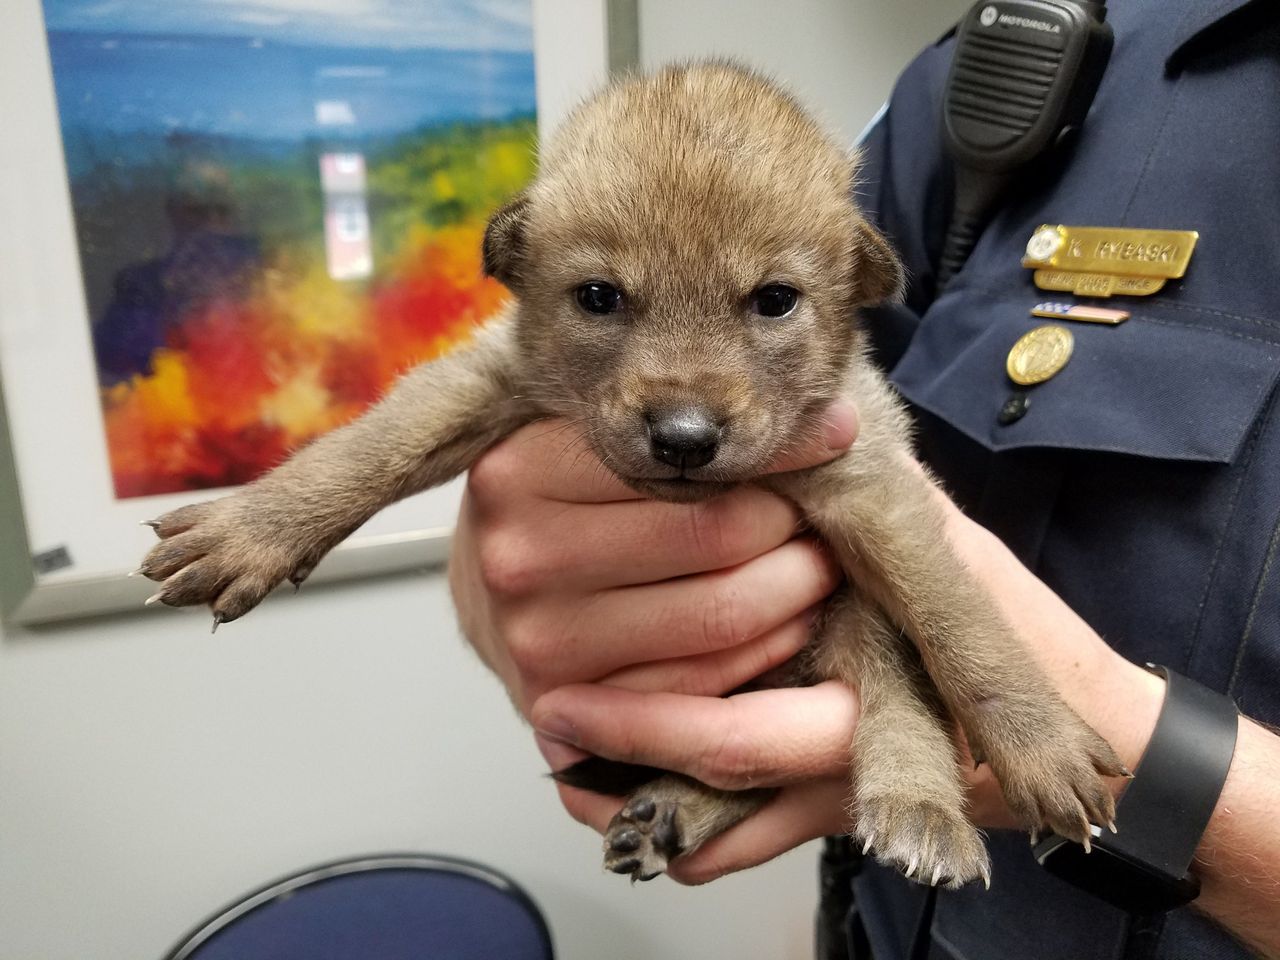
(1021, 82)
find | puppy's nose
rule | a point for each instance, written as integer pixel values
(686, 437)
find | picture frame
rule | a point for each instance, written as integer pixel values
(66, 541)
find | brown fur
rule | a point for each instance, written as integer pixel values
(689, 190)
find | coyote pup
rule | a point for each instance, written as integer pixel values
(687, 269)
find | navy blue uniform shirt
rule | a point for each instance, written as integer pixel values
(1143, 483)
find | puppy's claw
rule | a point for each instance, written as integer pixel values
(298, 577)
(866, 847)
(153, 524)
(937, 872)
(986, 876)
(217, 622)
(135, 573)
(1112, 827)
(153, 599)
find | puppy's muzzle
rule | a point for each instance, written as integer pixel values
(684, 437)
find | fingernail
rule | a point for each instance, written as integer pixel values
(559, 756)
(558, 728)
(840, 425)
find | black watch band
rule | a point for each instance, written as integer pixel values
(1145, 867)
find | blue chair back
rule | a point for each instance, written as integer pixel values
(387, 907)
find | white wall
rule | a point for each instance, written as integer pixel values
(150, 772)
(840, 56)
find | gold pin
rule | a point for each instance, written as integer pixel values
(1039, 354)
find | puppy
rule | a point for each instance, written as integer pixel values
(687, 269)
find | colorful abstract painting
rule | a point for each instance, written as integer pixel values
(279, 206)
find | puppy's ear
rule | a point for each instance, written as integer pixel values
(878, 274)
(504, 242)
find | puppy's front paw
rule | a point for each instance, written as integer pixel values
(928, 841)
(643, 838)
(1055, 779)
(228, 553)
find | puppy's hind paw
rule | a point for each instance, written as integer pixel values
(643, 838)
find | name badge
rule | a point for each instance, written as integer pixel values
(1107, 261)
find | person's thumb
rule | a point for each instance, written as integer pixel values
(761, 738)
(837, 428)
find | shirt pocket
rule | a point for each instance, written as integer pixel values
(1159, 385)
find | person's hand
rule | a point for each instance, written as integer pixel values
(561, 574)
(799, 739)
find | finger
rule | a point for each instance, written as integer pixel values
(677, 618)
(593, 810)
(590, 548)
(832, 434)
(551, 460)
(548, 460)
(759, 739)
(559, 756)
(715, 674)
(797, 815)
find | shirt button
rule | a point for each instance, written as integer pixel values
(1014, 409)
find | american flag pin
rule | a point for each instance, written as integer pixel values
(1076, 311)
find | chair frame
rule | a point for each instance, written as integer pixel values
(210, 927)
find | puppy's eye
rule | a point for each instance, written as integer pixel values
(599, 297)
(774, 300)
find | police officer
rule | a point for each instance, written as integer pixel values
(1135, 493)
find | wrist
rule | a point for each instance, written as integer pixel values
(1126, 708)
(1146, 868)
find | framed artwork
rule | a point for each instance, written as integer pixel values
(229, 226)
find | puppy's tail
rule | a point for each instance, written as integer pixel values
(610, 777)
